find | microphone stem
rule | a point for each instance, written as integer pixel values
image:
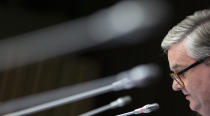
(96, 111)
(126, 114)
(62, 101)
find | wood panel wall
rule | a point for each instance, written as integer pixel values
(48, 75)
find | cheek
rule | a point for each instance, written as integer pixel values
(199, 83)
(192, 84)
(205, 84)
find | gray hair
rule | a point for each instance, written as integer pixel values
(194, 30)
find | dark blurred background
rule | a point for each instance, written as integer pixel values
(18, 17)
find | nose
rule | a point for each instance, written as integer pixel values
(176, 86)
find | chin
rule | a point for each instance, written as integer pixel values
(195, 107)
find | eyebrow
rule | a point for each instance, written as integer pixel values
(176, 66)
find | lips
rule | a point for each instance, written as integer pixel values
(187, 96)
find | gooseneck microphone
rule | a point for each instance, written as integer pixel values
(139, 76)
(120, 102)
(145, 109)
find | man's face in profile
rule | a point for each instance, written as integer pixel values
(196, 80)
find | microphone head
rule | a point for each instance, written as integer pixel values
(138, 76)
(147, 109)
(120, 102)
(144, 74)
(124, 100)
(153, 107)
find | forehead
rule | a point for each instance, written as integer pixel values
(177, 56)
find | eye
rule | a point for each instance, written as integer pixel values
(182, 75)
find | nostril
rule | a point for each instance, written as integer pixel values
(176, 86)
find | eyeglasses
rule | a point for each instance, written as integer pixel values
(177, 76)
